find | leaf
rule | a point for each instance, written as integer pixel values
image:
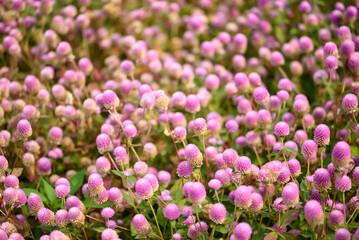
(271, 236)
(118, 173)
(291, 216)
(132, 178)
(279, 34)
(289, 149)
(31, 190)
(128, 198)
(49, 190)
(327, 86)
(273, 153)
(17, 172)
(353, 225)
(221, 229)
(354, 151)
(76, 181)
(87, 202)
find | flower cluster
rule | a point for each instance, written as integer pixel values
(179, 119)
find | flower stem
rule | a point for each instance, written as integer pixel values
(154, 214)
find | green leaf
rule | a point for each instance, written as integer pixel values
(354, 151)
(222, 229)
(87, 202)
(273, 153)
(31, 190)
(127, 197)
(49, 190)
(327, 86)
(118, 173)
(353, 225)
(132, 178)
(288, 149)
(279, 34)
(271, 236)
(291, 216)
(76, 181)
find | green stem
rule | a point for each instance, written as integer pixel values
(154, 214)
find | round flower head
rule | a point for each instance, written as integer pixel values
(110, 99)
(331, 62)
(141, 225)
(21, 199)
(130, 131)
(261, 95)
(23, 129)
(74, 201)
(199, 125)
(217, 213)
(223, 176)
(257, 203)
(109, 234)
(55, 135)
(192, 104)
(140, 168)
(313, 213)
(232, 126)
(196, 193)
(215, 184)
(322, 135)
(343, 184)
(62, 218)
(243, 231)
(195, 231)
(243, 197)
(95, 184)
(241, 81)
(184, 169)
(350, 103)
(44, 166)
(3, 163)
(342, 234)
(309, 148)
(103, 165)
(10, 195)
(264, 118)
(115, 196)
(177, 236)
(104, 143)
(294, 167)
(76, 217)
(321, 179)
(107, 212)
(290, 195)
(172, 211)
(193, 155)
(46, 217)
(180, 132)
(61, 191)
(336, 218)
(276, 59)
(11, 181)
(243, 165)
(144, 188)
(35, 203)
(230, 157)
(341, 155)
(281, 129)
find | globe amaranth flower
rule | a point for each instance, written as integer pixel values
(321, 179)
(313, 213)
(322, 135)
(172, 211)
(341, 155)
(217, 213)
(141, 225)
